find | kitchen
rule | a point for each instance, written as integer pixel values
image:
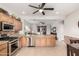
(40, 31)
(29, 30)
(12, 41)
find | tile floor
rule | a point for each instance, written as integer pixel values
(59, 50)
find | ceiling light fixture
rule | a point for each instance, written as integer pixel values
(41, 10)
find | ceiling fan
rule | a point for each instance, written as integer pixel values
(41, 8)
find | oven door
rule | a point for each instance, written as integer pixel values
(13, 47)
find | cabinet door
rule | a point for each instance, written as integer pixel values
(2, 17)
(43, 41)
(38, 41)
(10, 20)
(18, 25)
(53, 41)
(5, 18)
(48, 41)
(3, 49)
(22, 41)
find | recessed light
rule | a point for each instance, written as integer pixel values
(23, 12)
(27, 28)
(56, 12)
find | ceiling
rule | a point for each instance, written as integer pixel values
(61, 10)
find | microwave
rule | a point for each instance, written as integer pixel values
(4, 26)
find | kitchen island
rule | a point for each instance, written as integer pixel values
(42, 40)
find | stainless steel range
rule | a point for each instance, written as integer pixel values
(12, 45)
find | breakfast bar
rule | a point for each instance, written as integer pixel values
(43, 40)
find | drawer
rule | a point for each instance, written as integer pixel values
(3, 46)
(3, 52)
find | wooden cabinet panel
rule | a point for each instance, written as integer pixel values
(48, 42)
(3, 49)
(18, 25)
(2, 17)
(53, 41)
(3, 52)
(3, 46)
(22, 41)
(37, 41)
(45, 41)
(5, 18)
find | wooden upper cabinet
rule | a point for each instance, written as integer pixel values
(18, 25)
(22, 41)
(5, 18)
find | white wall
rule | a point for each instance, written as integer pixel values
(60, 31)
(34, 28)
(71, 25)
(48, 28)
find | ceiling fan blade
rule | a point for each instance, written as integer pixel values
(35, 11)
(43, 4)
(48, 8)
(34, 6)
(43, 13)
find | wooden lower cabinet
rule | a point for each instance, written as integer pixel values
(22, 41)
(48, 42)
(43, 41)
(37, 42)
(3, 49)
(40, 42)
(53, 42)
